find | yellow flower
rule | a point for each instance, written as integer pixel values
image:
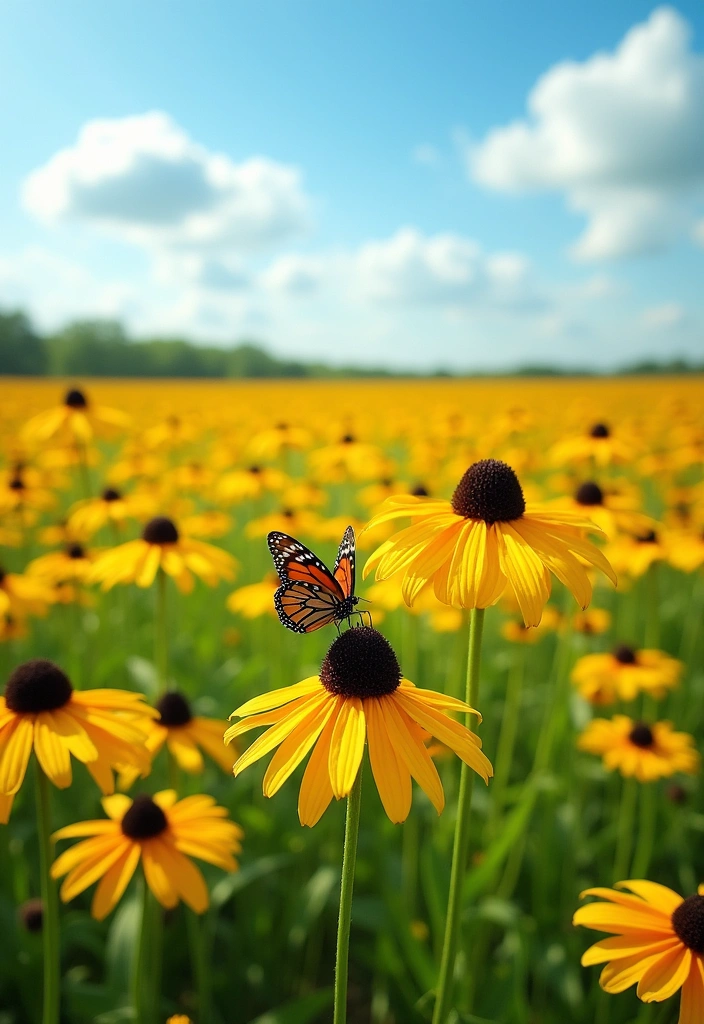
(686, 550)
(608, 509)
(484, 540)
(183, 734)
(300, 522)
(592, 621)
(22, 595)
(256, 598)
(161, 546)
(73, 564)
(633, 556)
(359, 695)
(244, 484)
(40, 710)
(76, 419)
(597, 445)
(89, 516)
(646, 752)
(163, 834)
(606, 678)
(658, 943)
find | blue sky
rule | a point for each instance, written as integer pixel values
(448, 184)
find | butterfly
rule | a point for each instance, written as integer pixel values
(310, 596)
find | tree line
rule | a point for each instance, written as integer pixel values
(102, 348)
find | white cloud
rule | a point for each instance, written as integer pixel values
(620, 134)
(668, 315)
(294, 275)
(143, 179)
(413, 269)
(698, 232)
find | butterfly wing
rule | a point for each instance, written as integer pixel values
(295, 563)
(304, 607)
(344, 564)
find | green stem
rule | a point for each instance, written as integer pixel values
(349, 858)
(50, 926)
(626, 822)
(140, 955)
(646, 832)
(507, 739)
(443, 1001)
(161, 649)
(200, 962)
(652, 621)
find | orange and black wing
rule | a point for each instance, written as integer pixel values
(295, 563)
(304, 607)
(344, 564)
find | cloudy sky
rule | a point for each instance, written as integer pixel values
(445, 184)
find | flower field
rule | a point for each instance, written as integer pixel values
(428, 821)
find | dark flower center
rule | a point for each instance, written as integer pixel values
(174, 709)
(650, 537)
(37, 686)
(489, 490)
(625, 654)
(16, 484)
(360, 663)
(75, 399)
(419, 491)
(160, 530)
(288, 513)
(256, 470)
(600, 430)
(589, 494)
(32, 915)
(642, 735)
(110, 494)
(688, 922)
(386, 482)
(349, 439)
(75, 551)
(144, 819)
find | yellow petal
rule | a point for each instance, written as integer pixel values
(392, 778)
(346, 746)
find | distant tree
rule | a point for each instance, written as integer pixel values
(22, 352)
(98, 348)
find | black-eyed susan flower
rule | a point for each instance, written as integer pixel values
(517, 632)
(22, 595)
(633, 555)
(76, 419)
(484, 540)
(41, 711)
(110, 507)
(73, 564)
(162, 546)
(598, 444)
(163, 834)
(185, 734)
(255, 599)
(592, 621)
(657, 942)
(624, 674)
(638, 750)
(360, 696)
(686, 550)
(250, 483)
(612, 510)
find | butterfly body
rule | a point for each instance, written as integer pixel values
(310, 596)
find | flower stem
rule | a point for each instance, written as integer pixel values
(443, 1001)
(626, 822)
(646, 832)
(200, 962)
(161, 649)
(349, 858)
(140, 954)
(50, 924)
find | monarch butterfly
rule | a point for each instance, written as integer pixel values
(310, 596)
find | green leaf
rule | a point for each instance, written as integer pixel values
(301, 1011)
(230, 886)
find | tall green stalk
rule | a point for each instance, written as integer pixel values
(200, 962)
(140, 955)
(443, 1001)
(626, 825)
(161, 647)
(50, 919)
(349, 859)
